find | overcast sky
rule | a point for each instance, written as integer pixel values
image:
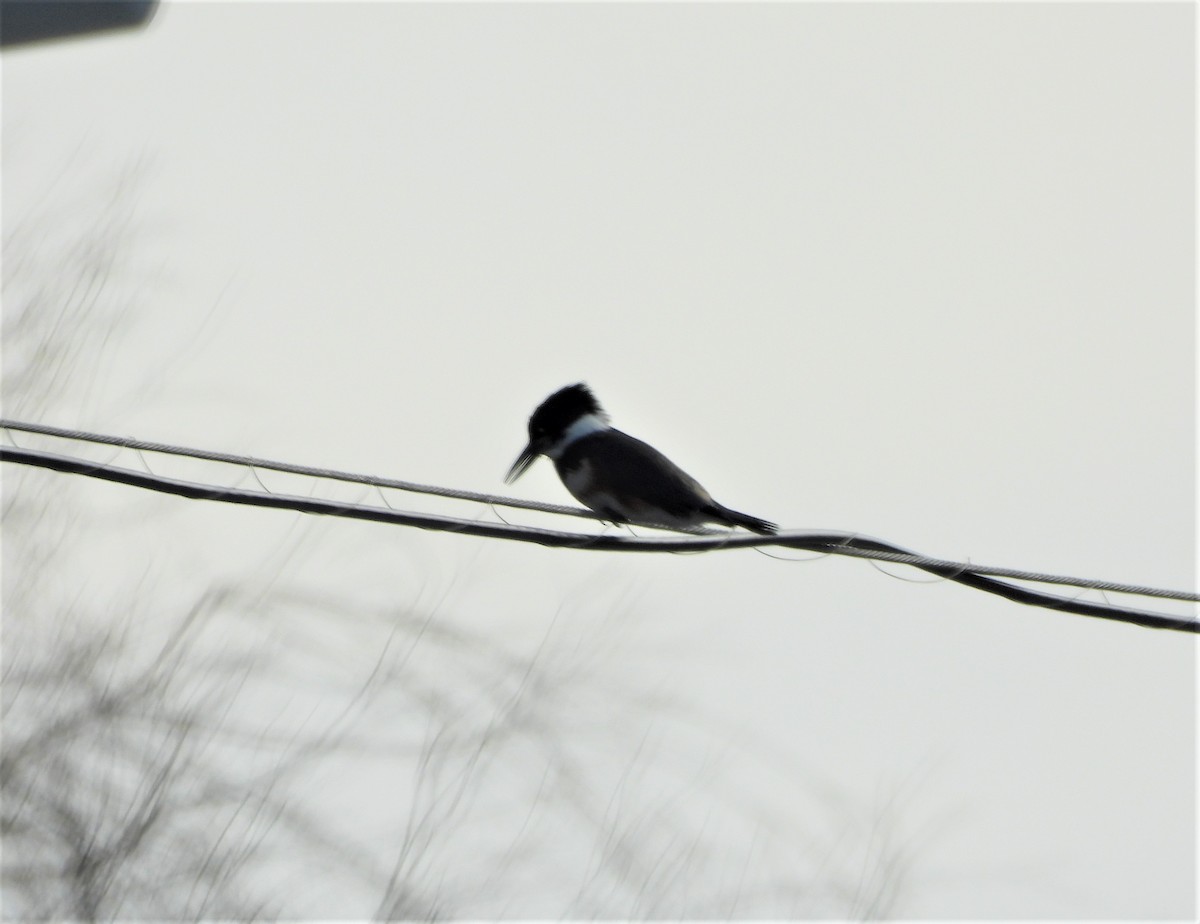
(924, 272)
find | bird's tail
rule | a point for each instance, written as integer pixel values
(733, 518)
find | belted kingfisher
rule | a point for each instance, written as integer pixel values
(621, 478)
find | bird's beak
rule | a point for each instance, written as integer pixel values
(524, 460)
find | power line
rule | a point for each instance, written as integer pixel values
(1037, 577)
(208, 455)
(495, 500)
(830, 542)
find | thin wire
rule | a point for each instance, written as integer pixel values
(879, 551)
(84, 436)
(911, 558)
(833, 542)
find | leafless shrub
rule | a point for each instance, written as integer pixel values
(272, 749)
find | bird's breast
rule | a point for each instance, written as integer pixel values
(579, 477)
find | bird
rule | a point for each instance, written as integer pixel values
(623, 479)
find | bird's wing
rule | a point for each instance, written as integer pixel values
(641, 476)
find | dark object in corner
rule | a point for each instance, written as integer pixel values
(25, 21)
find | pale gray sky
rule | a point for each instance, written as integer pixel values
(923, 271)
